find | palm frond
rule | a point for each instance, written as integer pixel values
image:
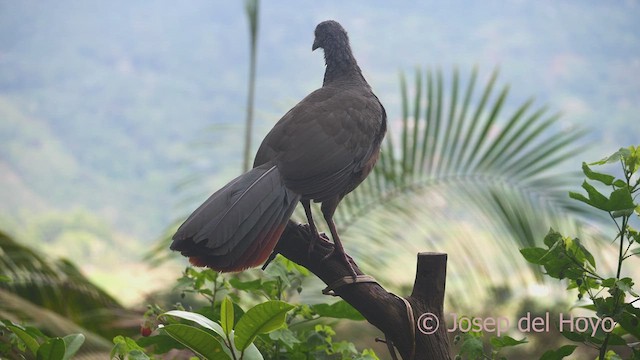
(57, 286)
(14, 308)
(501, 173)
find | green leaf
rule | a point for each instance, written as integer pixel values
(127, 346)
(534, 255)
(52, 349)
(620, 202)
(72, 343)
(611, 355)
(626, 284)
(260, 319)
(285, 336)
(160, 343)
(30, 342)
(199, 341)
(499, 342)
(246, 285)
(338, 310)
(603, 178)
(4, 278)
(579, 252)
(137, 355)
(198, 319)
(596, 199)
(616, 340)
(573, 336)
(629, 320)
(619, 183)
(552, 238)
(472, 346)
(292, 266)
(615, 157)
(558, 354)
(226, 315)
(251, 353)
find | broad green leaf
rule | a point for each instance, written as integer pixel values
(575, 247)
(292, 266)
(198, 319)
(615, 157)
(619, 183)
(72, 343)
(559, 354)
(611, 355)
(197, 340)
(338, 310)
(4, 278)
(626, 285)
(251, 353)
(603, 178)
(596, 199)
(285, 336)
(52, 349)
(630, 320)
(246, 285)
(534, 255)
(552, 238)
(586, 253)
(260, 319)
(126, 345)
(633, 161)
(620, 202)
(499, 342)
(137, 355)
(30, 342)
(616, 340)
(161, 343)
(226, 315)
(573, 336)
(472, 346)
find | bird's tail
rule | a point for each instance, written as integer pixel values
(240, 224)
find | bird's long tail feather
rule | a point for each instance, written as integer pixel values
(240, 224)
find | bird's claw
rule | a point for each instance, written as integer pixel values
(346, 258)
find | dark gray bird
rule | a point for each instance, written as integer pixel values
(319, 151)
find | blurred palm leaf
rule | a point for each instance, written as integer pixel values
(14, 308)
(60, 287)
(458, 175)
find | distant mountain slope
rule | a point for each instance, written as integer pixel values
(105, 106)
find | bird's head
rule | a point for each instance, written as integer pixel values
(329, 32)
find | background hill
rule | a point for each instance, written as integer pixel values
(107, 107)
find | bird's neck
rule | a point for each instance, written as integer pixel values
(341, 66)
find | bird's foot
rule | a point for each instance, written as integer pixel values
(317, 239)
(346, 258)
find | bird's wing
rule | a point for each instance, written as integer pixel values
(320, 143)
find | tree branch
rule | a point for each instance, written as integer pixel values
(383, 309)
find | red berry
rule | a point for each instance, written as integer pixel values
(145, 330)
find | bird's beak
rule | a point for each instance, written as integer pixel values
(315, 45)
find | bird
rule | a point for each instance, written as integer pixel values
(319, 151)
